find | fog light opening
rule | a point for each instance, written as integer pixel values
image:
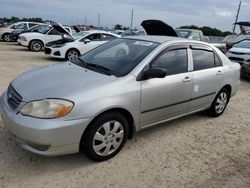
(39, 147)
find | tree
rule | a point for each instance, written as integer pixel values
(118, 27)
(208, 31)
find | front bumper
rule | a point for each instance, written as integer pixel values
(23, 43)
(238, 58)
(62, 136)
(245, 71)
(54, 52)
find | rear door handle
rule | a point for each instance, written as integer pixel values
(187, 79)
(219, 72)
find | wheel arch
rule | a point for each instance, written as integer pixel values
(5, 34)
(72, 48)
(124, 112)
(228, 88)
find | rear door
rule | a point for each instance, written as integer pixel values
(207, 75)
(167, 97)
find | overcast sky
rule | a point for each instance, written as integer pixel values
(214, 13)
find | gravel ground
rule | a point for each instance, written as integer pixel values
(194, 151)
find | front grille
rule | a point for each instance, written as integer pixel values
(47, 50)
(13, 98)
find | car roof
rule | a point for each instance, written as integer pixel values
(158, 39)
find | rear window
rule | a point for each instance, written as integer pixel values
(203, 59)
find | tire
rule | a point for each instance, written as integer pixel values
(220, 103)
(105, 136)
(6, 37)
(36, 46)
(72, 54)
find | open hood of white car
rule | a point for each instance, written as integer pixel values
(60, 29)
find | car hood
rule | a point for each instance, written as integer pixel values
(58, 81)
(240, 50)
(157, 27)
(60, 29)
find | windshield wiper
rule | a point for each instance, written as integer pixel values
(99, 67)
(92, 66)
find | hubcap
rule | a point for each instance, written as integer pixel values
(108, 138)
(221, 102)
(7, 38)
(72, 55)
(37, 46)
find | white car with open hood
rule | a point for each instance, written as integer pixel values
(72, 46)
(35, 41)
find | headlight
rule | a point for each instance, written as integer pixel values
(23, 38)
(47, 108)
(58, 45)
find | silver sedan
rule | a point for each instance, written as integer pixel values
(96, 102)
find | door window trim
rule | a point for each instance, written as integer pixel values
(177, 46)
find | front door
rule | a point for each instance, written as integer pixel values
(164, 98)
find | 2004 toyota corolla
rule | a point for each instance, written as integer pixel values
(96, 102)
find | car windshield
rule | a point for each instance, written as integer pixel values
(183, 33)
(79, 35)
(243, 44)
(119, 56)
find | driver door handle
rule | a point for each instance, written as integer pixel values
(187, 79)
(219, 72)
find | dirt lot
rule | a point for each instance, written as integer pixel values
(195, 151)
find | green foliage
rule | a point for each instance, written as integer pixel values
(14, 19)
(208, 31)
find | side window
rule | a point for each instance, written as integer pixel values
(203, 59)
(94, 37)
(217, 61)
(175, 61)
(31, 25)
(53, 32)
(21, 26)
(106, 37)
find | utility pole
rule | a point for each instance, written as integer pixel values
(99, 20)
(237, 16)
(132, 17)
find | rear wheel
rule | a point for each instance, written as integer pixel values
(36, 46)
(72, 54)
(220, 103)
(105, 136)
(6, 37)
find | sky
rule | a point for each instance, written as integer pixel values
(214, 13)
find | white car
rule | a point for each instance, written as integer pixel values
(35, 41)
(240, 52)
(72, 46)
(5, 31)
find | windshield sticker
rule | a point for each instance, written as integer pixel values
(143, 43)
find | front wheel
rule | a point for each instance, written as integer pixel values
(220, 103)
(6, 37)
(72, 54)
(36, 46)
(105, 136)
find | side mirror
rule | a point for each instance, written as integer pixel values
(154, 73)
(87, 41)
